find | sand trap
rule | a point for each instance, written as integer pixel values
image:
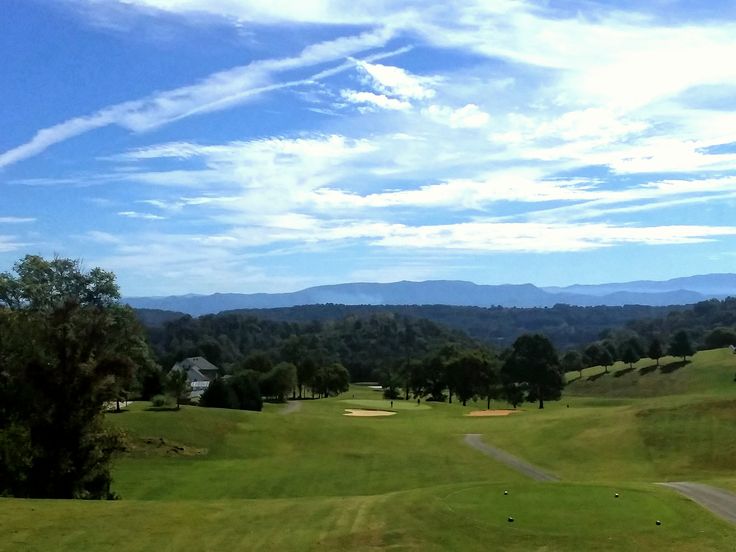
(366, 413)
(491, 412)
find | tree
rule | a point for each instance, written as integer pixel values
(435, 377)
(630, 355)
(178, 385)
(333, 379)
(572, 361)
(631, 351)
(236, 392)
(513, 393)
(597, 355)
(247, 391)
(489, 380)
(533, 364)
(680, 345)
(720, 337)
(67, 349)
(463, 374)
(279, 381)
(655, 351)
(258, 362)
(219, 394)
(613, 354)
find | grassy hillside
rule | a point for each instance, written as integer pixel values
(708, 372)
(315, 479)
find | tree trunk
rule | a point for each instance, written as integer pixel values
(464, 402)
(488, 406)
(541, 397)
(117, 404)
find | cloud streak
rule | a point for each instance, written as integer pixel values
(218, 91)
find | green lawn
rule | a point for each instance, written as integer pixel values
(208, 479)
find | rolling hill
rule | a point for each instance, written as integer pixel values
(679, 291)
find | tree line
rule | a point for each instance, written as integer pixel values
(566, 326)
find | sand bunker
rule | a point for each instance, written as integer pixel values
(366, 413)
(491, 412)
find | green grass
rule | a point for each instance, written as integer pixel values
(458, 517)
(383, 404)
(315, 479)
(710, 372)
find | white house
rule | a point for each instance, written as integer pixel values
(200, 372)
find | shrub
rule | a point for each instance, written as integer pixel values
(160, 400)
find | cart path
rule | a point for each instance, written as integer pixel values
(474, 440)
(719, 501)
(291, 407)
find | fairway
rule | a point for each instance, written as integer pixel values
(315, 479)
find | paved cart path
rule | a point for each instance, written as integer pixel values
(474, 440)
(719, 501)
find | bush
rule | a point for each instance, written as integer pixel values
(160, 401)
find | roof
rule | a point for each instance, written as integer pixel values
(197, 369)
(199, 363)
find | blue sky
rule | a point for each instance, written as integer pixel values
(194, 146)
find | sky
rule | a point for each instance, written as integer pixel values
(201, 146)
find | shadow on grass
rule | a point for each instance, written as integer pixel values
(596, 376)
(161, 409)
(672, 366)
(624, 372)
(648, 369)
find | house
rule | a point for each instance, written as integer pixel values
(200, 372)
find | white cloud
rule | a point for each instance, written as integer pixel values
(378, 100)
(99, 236)
(304, 11)
(137, 215)
(10, 243)
(16, 220)
(469, 116)
(544, 238)
(396, 81)
(524, 186)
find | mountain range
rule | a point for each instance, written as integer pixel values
(678, 291)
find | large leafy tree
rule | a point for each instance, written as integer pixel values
(680, 345)
(533, 366)
(67, 348)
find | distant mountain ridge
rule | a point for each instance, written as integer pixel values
(678, 291)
